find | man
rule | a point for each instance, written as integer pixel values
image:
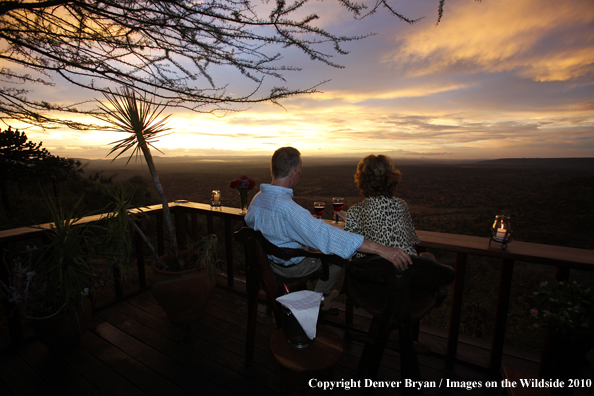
(286, 224)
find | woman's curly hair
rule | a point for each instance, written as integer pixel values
(376, 176)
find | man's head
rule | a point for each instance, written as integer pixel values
(284, 160)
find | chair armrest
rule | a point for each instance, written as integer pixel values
(373, 269)
(284, 253)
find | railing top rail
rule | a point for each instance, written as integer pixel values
(516, 250)
(16, 234)
(22, 233)
(221, 211)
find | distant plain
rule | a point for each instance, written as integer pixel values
(549, 200)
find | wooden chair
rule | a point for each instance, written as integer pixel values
(260, 276)
(390, 312)
(419, 307)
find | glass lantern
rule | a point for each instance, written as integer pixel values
(501, 230)
(215, 199)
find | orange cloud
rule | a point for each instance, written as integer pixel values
(543, 40)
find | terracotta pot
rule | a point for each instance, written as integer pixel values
(64, 329)
(183, 295)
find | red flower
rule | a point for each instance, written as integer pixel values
(534, 312)
(243, 182)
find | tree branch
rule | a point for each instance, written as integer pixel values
(164, 48)
(7, 6)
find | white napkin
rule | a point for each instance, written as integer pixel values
(305, 305)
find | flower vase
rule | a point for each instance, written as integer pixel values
(243, 197)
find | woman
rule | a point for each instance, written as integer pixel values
(381, 217)
(385, 219)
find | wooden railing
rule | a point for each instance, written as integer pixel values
(187, 224)
(187, 228)
(561, 258)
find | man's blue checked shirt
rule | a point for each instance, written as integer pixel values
(286, 224)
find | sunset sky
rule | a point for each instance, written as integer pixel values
(495, 79)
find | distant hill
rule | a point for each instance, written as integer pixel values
(202, 164)
(227, 167)
(189, 164)
(542, 163)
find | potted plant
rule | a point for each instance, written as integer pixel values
(182, 282)
(566, 311)
(51, 283)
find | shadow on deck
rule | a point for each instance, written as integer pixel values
(133, 349)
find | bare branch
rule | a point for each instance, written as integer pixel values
(169, 50)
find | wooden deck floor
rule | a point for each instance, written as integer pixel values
(133, 349)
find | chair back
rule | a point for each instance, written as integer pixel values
(260, 276)
(259, 272)
(372, 281)
(259, 267)
(384, 291)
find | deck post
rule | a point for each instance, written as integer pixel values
(210, 223)
(229, 252)
(160, 234)
(456, 311)
(180, 229)
(117, 282)
(561, 273)
(140, 259)
(13, 315)
(194, 227)
(505, 280)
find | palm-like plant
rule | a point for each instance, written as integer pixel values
(140, 117)
(57, 276)
(63, 265)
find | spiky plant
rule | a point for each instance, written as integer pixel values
(140, 117)
(56, 276)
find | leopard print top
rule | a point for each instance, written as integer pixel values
(383, 220)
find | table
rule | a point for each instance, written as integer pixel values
(332, 223)
(321, 355)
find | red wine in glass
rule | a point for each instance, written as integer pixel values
(319, 210)
(337, 204)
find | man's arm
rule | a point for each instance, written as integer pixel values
(396, 256)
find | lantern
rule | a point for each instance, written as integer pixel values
(501, 231)
(215, 199)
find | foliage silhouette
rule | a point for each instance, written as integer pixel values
(23, 161)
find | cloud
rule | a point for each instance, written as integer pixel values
(543, 40)
(588, 105)
(422, 89)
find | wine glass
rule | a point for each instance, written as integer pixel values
(319, 209)
(337, 204)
